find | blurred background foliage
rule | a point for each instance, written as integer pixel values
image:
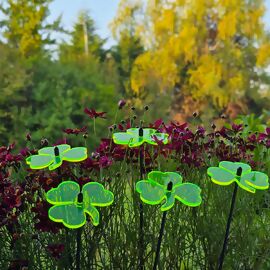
(177, 56)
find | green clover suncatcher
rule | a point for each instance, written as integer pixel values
(241, 174)
(167, 187)
(134, 137)
(53, 157)
(226, 173)
(71, 204)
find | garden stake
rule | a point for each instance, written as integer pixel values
(166, 188)
(79, 236)
(225, 243)
(141, 240)
(78, 254)
(169, 188)
(241, 174)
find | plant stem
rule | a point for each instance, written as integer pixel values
(141, 238)
(95, 126)
(160, 239)
(115, 116)
(222, 254)
(78, 253)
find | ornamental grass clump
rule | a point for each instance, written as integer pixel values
(143, 165)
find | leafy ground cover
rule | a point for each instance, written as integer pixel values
(192, 235)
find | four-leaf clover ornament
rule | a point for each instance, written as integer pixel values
(134, 137)
(228, 172)
(167, 187)
(53, 157)
(71, 203)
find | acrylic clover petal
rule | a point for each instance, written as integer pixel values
(165, 178)
(76, 154)
(65, 193)
(71, 204)
(249, 180)
(257, 180)
(53, 157)
(70, 215)
(151, 193)
(39, 162)
(134, 137)
(188, 194)
(97, 195)
(167, 187)
(233, 166)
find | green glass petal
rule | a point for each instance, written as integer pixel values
(147, 135)
(244, 185)
(188, 194)
(161, 137)
(70, 215)
(93, 212)
(151, 193)
(256, 180)
(233, 166)
(65, 193)
(57, 163)
(75, 154)
(50, 150)
(169, 203)
(133, 131)
(136, 141)
(148, 132)
(165, 178)
(96, 195)
(220, 176)
(122, 138)
(39, 161)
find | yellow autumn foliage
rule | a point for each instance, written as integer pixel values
(165, 24)
(206, 47)
(263, 55)
(227, 26)
(187, 38)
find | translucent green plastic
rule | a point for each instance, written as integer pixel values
(132, 137)
(46, 156)
(249, 180)
(154, 190)
(71, 212)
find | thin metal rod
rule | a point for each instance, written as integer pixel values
(141, 238)
(225, 243)
(161, 232)
(79, 246)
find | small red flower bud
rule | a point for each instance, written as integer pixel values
(121, 104)
(28, 137)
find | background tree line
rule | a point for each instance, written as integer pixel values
(176, 56)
